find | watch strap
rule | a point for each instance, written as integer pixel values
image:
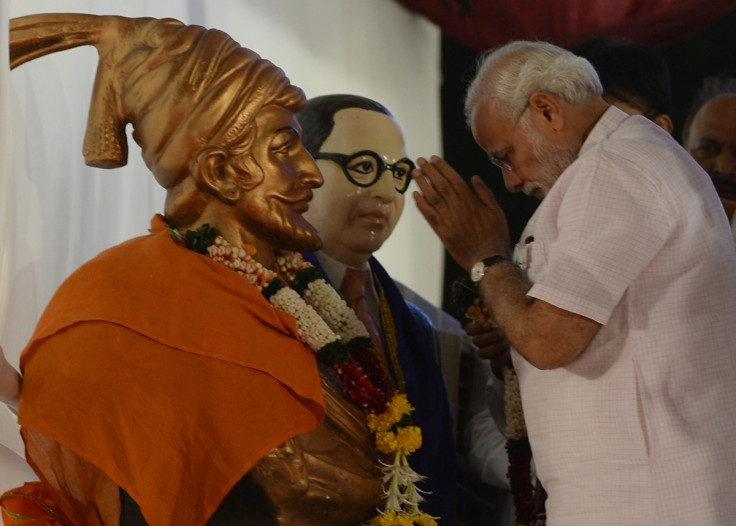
(493, 260)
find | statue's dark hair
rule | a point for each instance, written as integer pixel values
(317, 117)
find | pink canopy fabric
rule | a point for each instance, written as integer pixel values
(484, 24)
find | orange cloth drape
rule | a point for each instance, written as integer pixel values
(166, 372)
(30, 505)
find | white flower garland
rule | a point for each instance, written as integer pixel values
(334, 310)
(323, 317)
(311, 327)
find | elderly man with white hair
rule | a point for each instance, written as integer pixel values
(620, 301)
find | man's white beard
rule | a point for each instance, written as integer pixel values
(552, 159)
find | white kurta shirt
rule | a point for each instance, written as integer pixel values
(640, 429)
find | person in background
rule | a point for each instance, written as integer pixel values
(360, 150)
(635, 77)
(619, 303)
(709, 134)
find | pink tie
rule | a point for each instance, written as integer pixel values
(353, 286)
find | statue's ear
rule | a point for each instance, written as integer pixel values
(214, 170)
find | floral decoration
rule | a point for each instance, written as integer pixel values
(339, 339)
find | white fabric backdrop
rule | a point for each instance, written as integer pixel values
(56, 213)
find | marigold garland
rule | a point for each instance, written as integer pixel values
(339, 339)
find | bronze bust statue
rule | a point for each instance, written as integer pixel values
(156, 383)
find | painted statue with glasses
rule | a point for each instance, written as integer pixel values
(360, 150)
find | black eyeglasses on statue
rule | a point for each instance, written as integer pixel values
(366, 167)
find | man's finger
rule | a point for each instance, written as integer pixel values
(424, 176)
(483, 192)
(447, 180)
(427, 210)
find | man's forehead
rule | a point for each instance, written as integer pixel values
(719, 109)
(488, 124)
(717, 117)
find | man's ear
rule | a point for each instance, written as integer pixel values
(665, 122)
(548, 108)
(214, 170)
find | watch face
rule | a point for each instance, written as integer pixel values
(477, 272)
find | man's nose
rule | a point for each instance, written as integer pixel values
(725, 163)
(512, 181)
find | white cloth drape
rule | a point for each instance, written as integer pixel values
(56, 213)
(13, 467)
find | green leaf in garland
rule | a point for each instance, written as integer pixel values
(333, 353)
(406, 421)
(359, 341)
(198, 240)
(304, 277)
(272, 288)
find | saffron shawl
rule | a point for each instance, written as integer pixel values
(169, 374)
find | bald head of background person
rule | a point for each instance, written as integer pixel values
(709, 134)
